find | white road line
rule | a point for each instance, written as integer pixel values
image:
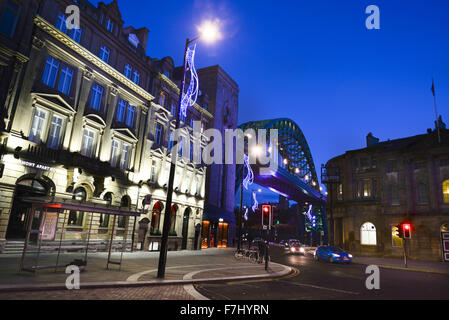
(137, 276)
(190, 289)
(322, 288)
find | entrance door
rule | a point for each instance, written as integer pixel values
(445, 242)
(185, 228)
(20, 210)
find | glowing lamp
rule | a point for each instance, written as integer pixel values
(209, 31)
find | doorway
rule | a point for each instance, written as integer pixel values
(26, 187)
(185, 228)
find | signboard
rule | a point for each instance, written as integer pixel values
(445, 244)
(50, 222)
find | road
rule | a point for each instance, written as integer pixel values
(314, 280)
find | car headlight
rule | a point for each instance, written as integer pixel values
(302, 250)
(292, 250)
(350, 255)
(336, 255)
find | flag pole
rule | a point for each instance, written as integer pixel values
(437, 122)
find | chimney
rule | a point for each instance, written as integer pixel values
(371, 140)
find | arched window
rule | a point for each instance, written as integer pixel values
(104, 218)
(156, 216)
(76, 217)
(174, 209)
(446, 191)
(368, 234)
(125, 203)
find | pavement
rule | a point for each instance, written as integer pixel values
(136, 279)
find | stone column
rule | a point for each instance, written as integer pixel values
(105, 151)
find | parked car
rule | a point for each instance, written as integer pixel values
(296, 247)
(332, 254)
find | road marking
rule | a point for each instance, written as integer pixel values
(322, 288)
(190, 289)
(135, 277)
(292, 275)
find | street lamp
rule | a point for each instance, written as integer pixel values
(209, 32)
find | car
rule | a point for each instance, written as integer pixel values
(295, 247)
(332, 254)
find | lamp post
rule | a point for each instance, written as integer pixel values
(209, 33)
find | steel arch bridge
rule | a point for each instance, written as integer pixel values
(296, 176)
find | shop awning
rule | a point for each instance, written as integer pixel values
(70, 204)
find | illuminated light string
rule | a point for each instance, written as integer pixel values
(249, 179)
(191, 96)
(256, 203)
(245, 216)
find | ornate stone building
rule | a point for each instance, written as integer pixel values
(87, 115)
(387, 183)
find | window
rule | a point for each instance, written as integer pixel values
(104, 218)
(115, 153)
(368, 234)
(38, 126)
(65, 80)
(104, 54)
(156, 216)
(162, 99)
(121, 109)
(88, 143)
(397, 242)
(8, 20)
(54, 136)
(50, 72)
(420, 165)
(174, 209)
(158, 136)
(110, 25)
(96, 97)
(61, 23)
(170, 141)
(153, 171)
(173, 108)
(340, 192)
(124, 159)
(76, 217)
(120, 155)
(167, 73)
(130, 116)
(128, 71)
(364, 189)
(75, 34)
(192, 120)
(446, 191)
(136, 77)
(422, 193)
(124, 203)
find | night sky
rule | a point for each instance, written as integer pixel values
(316, 63)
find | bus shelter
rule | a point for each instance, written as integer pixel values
(47, 220)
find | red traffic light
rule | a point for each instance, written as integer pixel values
(406, 226)
(266, 209)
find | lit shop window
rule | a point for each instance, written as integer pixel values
(368, 234)
(446, 191)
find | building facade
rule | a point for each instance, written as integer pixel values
(88, 116)
(219, 222)
(388, 183)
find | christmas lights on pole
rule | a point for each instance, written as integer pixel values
(209, 33)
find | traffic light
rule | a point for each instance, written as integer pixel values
(407, 227)
(266, 215)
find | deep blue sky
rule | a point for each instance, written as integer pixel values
(316, 63)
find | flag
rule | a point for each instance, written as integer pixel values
(433, 88)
